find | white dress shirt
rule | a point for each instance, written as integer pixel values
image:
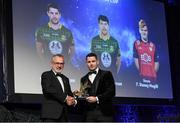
(92, 76)
(60, 81)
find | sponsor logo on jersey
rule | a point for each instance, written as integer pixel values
(63, 38)
(146, 58)
(55, 34)
(111, 49)
(98, 47)
(46, 35)
(55, 47)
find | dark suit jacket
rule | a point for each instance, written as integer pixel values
(104, 88)
(54, 97)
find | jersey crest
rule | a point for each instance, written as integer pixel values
(106, 59)
(55, 47)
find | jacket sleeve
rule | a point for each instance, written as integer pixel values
(107, 89)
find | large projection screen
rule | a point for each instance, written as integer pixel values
(81, 18)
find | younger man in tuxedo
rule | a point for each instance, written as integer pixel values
(102, 90)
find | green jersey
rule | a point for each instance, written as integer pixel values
(54, 41)
(107, 52)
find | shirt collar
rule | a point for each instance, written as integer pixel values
(97, 70)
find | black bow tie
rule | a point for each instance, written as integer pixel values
(59, 74)
(92, 72)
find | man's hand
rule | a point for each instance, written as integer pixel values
(70, 100)
(91, 99)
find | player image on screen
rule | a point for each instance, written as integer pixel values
(145, 55)
(54, 38)
(106, 47)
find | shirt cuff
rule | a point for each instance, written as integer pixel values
(97, 100)
(75, 103)
(65, 98)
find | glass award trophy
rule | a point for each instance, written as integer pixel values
(83, 92)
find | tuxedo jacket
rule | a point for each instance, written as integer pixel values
(54, 98)
(103, 87)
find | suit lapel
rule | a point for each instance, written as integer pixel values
(65, 84)
(96, 80)
(57, 83)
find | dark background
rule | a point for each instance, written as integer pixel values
(130, 111)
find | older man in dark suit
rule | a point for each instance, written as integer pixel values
(57, 92)
(100, 93)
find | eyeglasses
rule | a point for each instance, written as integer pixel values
(58, 63)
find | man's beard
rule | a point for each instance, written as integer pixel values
(54, 21)
(58, 70)
(104, 32)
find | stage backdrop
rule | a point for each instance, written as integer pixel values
(2, 82)
(80, 17)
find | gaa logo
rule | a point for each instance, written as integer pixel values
(146, 58)
(106, 59)
(55, 47)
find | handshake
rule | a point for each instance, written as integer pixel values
(70, 101)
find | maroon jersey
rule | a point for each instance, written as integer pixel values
(146, 54)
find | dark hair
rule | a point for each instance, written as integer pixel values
(103, 18)
(52, 5)
(91, 55)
